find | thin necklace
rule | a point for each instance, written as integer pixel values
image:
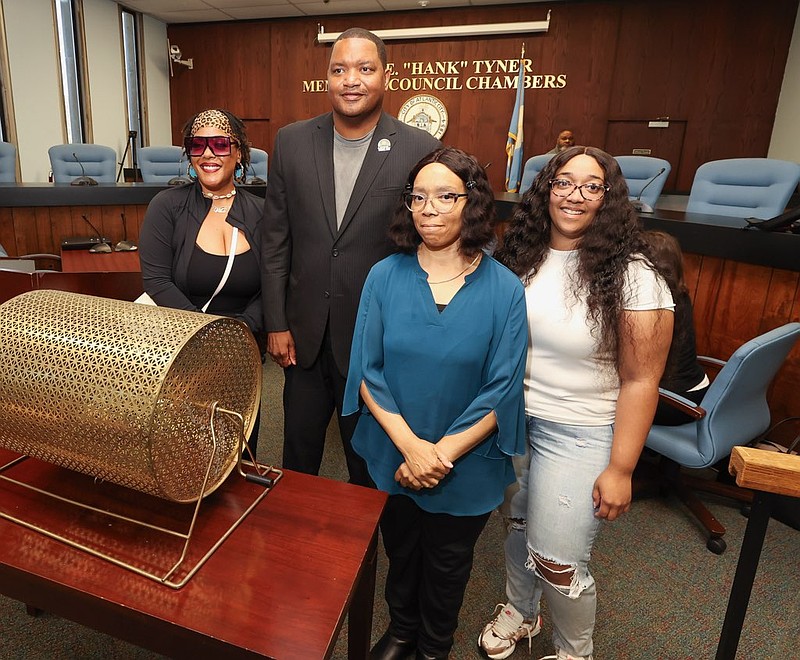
(209, 195)
(474, 261)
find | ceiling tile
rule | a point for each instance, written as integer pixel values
(279, 9)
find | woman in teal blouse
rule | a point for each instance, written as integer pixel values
(436, 370)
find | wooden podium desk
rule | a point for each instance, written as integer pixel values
(83, 261)
(770, 475)
(112, 275)
(279, 587)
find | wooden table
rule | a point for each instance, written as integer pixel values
(83, 261)
(769, 474)
(279, 587)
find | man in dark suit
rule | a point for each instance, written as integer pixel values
(334, 183)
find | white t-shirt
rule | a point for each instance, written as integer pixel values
(566, 380)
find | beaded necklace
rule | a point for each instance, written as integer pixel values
(209, 195)
(212, 196)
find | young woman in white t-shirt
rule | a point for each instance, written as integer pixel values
(600, 321)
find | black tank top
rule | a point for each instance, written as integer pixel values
(205, 272)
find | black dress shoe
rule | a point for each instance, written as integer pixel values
(421, 655)
(390, 647)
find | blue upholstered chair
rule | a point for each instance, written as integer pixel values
(733, 412)
(743, 187)
(258, 165)
(8, 162)
(99, 162)
(533, 166)
(645, 177)
(162, 164)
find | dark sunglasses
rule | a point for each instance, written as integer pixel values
(220, 145)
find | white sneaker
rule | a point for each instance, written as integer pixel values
(499, 638)
(563, 655)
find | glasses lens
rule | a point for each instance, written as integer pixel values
(220, 145)
(412, 202)
(444, 203)
(195, 146)
(561, 187)
(592, 191)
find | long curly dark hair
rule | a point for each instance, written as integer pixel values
(610, 243)
(478, 216)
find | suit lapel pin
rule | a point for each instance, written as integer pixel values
(384, 144)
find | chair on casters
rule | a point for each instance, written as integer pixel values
(733, 412)
(533, 166)
(743, 187)
(77, 162)
(163, 165)
(645, 177)
(8, 163)
(257, 168)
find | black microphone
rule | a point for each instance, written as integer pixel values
(125, 245)
(82, 180)
(255, 180)
(781, 222)
(638, 204)
(101, 244)
(180, 179)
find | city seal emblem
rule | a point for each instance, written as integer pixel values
(426, 112)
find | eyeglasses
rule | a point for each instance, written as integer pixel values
(220, 145)
(441, 203)
(591, 192)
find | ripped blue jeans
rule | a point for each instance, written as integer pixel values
(553, 527)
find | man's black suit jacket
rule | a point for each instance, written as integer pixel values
(312, 273)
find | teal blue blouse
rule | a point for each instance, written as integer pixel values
(442, 372)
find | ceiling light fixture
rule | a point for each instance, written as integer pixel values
(447, 31)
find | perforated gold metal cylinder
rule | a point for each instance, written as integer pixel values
(122, 391)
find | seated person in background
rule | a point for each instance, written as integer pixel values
(565, 140)
(682, 374)
(200, 243)
(437, 360)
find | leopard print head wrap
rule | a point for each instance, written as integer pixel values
(213, 118)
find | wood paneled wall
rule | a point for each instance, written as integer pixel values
(30, 230)
(734, 302)
(715, 66)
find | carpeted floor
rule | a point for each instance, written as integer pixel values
(662, 595)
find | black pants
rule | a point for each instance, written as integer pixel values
(309, 398)
(252, 441)
(430, 560)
